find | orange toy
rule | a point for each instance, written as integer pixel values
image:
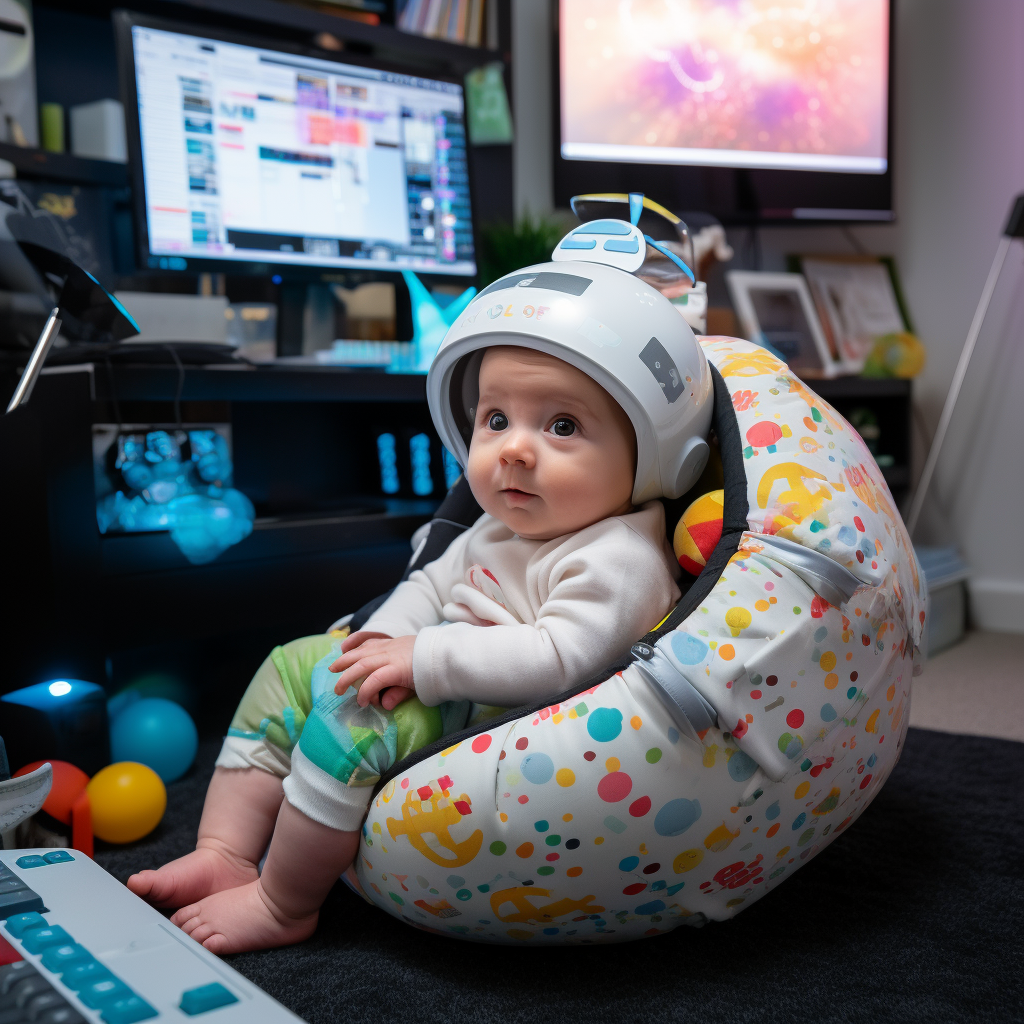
(68, 802)
(698, 531)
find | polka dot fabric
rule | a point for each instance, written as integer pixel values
(606, 818)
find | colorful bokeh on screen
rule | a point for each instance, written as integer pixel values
(737, 83)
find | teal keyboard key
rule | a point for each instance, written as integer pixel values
(33, 860)
(58, 857)
(206, 997)
(59, 958)
(127, 1011)
(98, 994)
(79, 975)
(18, 924)
(38, 939)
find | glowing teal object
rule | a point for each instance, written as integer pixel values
(157, 733)
(430, 321)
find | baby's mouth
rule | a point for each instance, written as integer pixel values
(516, 496)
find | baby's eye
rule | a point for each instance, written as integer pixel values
(563, 428)
(498, 421)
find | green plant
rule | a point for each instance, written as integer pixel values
(507, 247)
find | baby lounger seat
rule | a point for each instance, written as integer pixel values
(743, 734)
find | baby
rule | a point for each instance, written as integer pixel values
(555, 581)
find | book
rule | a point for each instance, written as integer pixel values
(476, 10)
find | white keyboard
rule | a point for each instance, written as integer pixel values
(76, 946)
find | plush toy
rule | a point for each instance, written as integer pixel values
(698, 531)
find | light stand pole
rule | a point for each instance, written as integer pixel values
(1014, 229)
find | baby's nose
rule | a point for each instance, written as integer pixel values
(517, 450)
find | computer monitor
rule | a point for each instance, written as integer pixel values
(761, 110)
(252, 155)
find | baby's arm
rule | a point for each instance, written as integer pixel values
(386, 663)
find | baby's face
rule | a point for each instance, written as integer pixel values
(552, 452)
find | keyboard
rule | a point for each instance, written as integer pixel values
(76, 947)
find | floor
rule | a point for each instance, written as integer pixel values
(976, 687)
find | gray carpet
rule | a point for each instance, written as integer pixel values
(916, 914)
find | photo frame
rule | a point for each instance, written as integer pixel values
(777, 311)
(858, 300)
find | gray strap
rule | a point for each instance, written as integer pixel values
(825, 575)
(676, 691)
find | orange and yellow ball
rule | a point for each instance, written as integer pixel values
(698, 531)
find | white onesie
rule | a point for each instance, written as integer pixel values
(525, 619)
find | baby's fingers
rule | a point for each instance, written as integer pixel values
(353, 640)
(362, 667)
(394, 696)
(349, 658)
(381, 679)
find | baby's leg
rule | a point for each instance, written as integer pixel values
(282, 906)
(238, 820)
(245, 794)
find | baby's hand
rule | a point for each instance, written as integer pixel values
(382, 663)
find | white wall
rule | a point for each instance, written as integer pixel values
(959, 161)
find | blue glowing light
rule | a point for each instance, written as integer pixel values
(59, 687)
(452, 470)
(276, 279)
(419, 455)
(387, 456)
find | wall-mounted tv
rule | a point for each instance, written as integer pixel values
(753, 110)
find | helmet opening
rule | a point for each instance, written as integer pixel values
(465, 392)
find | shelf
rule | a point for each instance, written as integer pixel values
(289, 16)
(78, 170)
(240, 382)
(300, 24)
(134, 554)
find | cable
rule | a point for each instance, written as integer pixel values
(181, 385)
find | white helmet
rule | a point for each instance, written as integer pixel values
(611, 325)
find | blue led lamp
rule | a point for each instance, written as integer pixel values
(81, 296)
(62, 719)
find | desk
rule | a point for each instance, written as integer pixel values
(107, 608)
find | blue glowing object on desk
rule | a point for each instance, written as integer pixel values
(387, 456)
(419, 456)
(177, 480)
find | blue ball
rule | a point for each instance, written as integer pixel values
(157, 733)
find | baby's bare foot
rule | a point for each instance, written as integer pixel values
(241, 919)
(205, 871)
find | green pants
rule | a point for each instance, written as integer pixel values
(291, 702)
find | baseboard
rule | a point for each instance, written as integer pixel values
(997, 605)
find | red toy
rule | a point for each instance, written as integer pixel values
(68, 802)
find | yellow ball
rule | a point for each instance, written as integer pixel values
(127, 801)
(698, 531)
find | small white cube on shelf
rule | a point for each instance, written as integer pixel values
(97, 131)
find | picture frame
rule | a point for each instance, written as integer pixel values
(776, 310)
(858, 300)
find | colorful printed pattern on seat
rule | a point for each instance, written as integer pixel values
(604, 819)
